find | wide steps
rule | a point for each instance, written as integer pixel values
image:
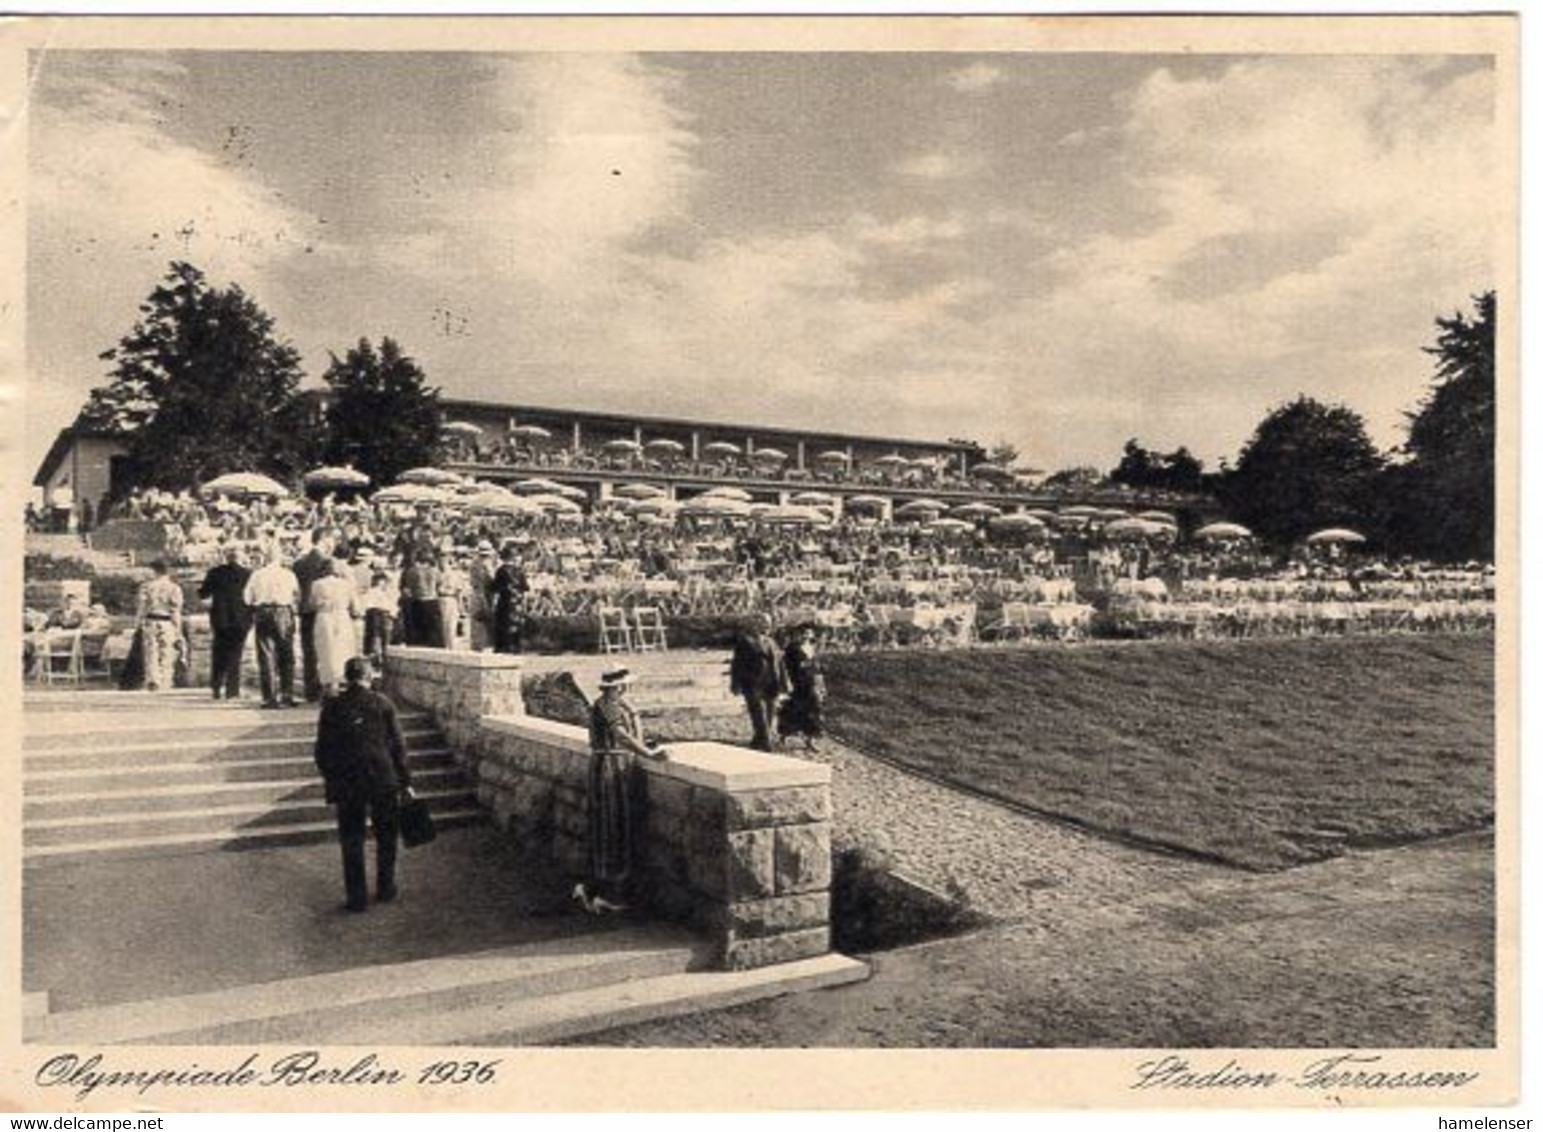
(51, 730)
(138, 777)
(234, 820)
(222, 841)
(536, 993)
(300, 768)
(203, 795)
(135, 750)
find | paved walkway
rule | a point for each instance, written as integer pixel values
(124, 930)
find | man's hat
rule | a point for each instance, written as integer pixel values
(484, 547)
(616, 678)
(358, 668)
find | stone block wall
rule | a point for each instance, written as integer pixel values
(458, 688)
(735, 843)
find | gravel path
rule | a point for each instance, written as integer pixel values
(1012, 866)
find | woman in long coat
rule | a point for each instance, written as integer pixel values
(336, 601)
(803, 712)
(615, 788)
(509, 589)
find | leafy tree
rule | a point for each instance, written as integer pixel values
(1308, 465)
(382, 417)
(1172, 471)
(1082, 477)
(201, 386)
(1004, 453)
(1446, 496)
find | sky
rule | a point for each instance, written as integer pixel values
(1057, 251)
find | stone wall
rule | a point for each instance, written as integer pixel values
(735, 843)
(458, 688)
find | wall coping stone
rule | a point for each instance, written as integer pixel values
(548, 731)
(454, 658)
(720, 766)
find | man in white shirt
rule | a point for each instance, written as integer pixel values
(273, 593)
(159, 616)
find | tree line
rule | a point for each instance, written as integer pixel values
(1310, 465)
(202, 385)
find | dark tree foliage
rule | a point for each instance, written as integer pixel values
(382, 417)
(1446, 493)
(1003, 452)
(1078, 478)
(1307, 466)
(201, 386)
(1178, 470)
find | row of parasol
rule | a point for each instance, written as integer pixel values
(534, 497)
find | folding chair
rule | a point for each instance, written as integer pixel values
(1014, 625)
(615, 633)
(94, 658)
(59, 645)
(648, 629)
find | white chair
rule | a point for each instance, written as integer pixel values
(615, 633)
(648, 629)
(56, 646)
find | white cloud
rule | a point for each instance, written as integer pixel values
(112, 200)
(975, 78)
(1307, 221)
(593, 155)
(940, 166)
(909, 231)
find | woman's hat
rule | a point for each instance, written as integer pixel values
(616, 678)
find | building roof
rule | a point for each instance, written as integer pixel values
(739, 428)
(59, 450)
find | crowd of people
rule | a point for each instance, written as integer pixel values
(366, 574)
(835, 468)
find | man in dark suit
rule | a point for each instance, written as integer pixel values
(315, 563)
(362, 754)
(758, 673)
(230, 619)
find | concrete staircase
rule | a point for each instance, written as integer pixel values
(533, 994)
(147, 775)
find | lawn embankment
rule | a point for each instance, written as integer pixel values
(1264, 754)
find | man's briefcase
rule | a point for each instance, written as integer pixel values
(415, 821)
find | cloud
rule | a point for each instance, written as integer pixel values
(587, 155)
(909, 231)
(939, 166)
(975, 78)
(113, 198)
(1288, 225)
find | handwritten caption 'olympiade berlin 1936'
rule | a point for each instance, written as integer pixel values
(1347, 1072)
(84, 1075)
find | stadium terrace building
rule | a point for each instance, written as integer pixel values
(600, 452)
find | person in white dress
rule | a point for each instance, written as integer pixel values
(336, 601)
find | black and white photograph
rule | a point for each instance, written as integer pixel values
(552, 538)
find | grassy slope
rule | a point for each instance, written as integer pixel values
(1256, 752)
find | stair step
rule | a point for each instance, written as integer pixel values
(117, 754)
(300, 767)
(166, 845)
(573, 1014)
(234, 820)
(178, 723)
(387, 999)
(140, 800)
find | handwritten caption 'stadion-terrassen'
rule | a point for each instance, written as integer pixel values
(85, 1075)
(1347, 1071)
